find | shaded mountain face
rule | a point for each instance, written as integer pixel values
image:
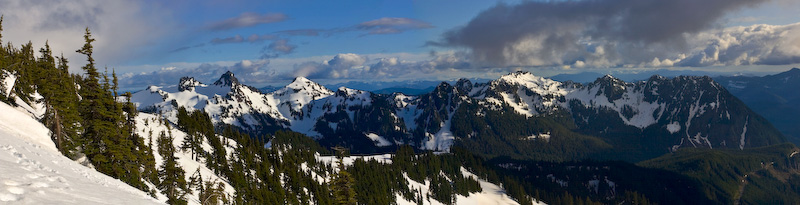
(519, 115)
(227, 79)
(774, 96)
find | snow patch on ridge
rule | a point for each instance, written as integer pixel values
(442, 140)
(673, 127)
(379, 140)
(744, 131)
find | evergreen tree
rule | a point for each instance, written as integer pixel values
(61, 102)
(1, 29)
(342, 184)
(173, 181)
(110, 149)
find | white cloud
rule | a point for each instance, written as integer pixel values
(341, 67)
(745, 45)
(248, 71)
(354, 66)
(120, 27)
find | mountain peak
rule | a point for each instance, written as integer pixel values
(227, 79)
(793, 71)
(609, 79)
(187, 83)
(302, 83)
(520, 76)
(301, 79)
(464, 85)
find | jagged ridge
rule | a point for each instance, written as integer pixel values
(679, 112)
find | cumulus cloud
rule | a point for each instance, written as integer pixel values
(602, 33)
(745, 45)
(247, 20)
(63, 24)
(247, 71)
(354, 66)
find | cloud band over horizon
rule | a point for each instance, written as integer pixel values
(621, 33)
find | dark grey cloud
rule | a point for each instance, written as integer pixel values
(592, 32)
(70, 19)
(247, 20)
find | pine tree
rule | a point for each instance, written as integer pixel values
(91, 109)
(110, 149)
(173, 181)
(342, 184)
(60, 99)
(1, 29)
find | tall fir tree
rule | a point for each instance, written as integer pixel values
(61, 100)
(173, 181)
(109, 144)
(342, 183)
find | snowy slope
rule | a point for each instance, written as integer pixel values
(227, 103)
(32, 171)
(149, 123)
(491, 194)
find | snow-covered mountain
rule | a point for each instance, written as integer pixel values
(692, 111)
(674, 112)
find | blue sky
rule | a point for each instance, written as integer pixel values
(311, 15)
(270, 42)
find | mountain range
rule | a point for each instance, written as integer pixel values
(774, 96)
(607, 118)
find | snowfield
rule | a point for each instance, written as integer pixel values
(32, 171)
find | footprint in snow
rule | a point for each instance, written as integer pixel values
(12, 192)
(16, 190)
(6, 197)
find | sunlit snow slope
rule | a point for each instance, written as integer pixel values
(32, 171)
